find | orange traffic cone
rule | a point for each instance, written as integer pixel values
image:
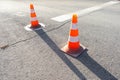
(35, 25)
(73, 48)
(34, 21)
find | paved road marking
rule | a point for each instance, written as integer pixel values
(84, 12)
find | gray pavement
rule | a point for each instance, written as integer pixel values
(36, 55)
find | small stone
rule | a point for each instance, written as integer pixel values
(4, 46)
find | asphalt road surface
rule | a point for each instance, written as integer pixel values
(36, 55)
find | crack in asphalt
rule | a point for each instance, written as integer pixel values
(37, 35)
(23, 40)
(57, 27)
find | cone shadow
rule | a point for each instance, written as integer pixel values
(96, 68)
(56, 49)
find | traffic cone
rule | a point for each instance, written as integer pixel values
(73, 47)
(35, 25)
(34, 21)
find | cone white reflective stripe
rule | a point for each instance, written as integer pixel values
(74, 27)
(32, 11)
(33, 19)
(73, 39)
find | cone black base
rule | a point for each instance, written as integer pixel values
(74, 53)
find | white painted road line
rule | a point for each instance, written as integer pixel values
(84, 12)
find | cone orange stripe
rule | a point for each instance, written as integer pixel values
(74, 32)
(34, 23)
(33, 15)
(73, 45)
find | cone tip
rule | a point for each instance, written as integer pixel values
(74, 18)
(31, 6)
